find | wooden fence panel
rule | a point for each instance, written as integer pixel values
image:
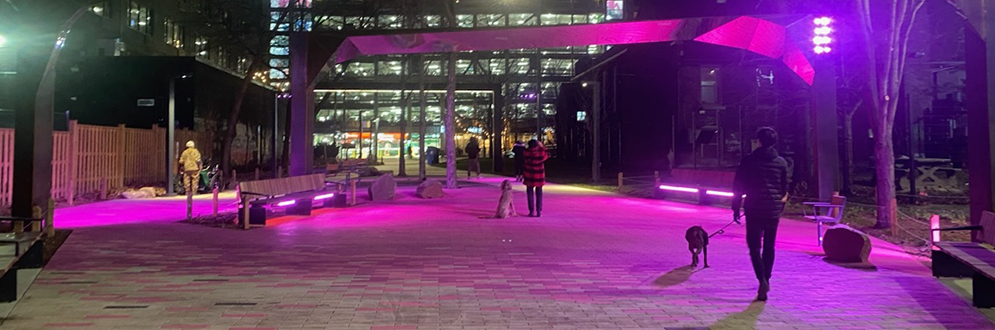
(6, 165)
(140, 157)
(86, 155)
(99, 158)
(61, 166)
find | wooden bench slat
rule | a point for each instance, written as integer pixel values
(982, 259)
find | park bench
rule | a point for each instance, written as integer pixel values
(970, 259)
(28, 253)
(296, 193)
(706, 185)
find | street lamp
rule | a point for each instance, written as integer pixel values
(595, 130)
(822, 35)
(171, 136)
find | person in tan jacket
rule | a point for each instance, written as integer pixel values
(191, 164)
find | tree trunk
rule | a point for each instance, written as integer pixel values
(285, 153)
(884, 166)
(404, 117)
(848, 153)
(236, 111)
(450, 123)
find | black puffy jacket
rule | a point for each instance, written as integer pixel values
(763, 178)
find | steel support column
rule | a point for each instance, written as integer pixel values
(497, 127)
(33, 117)
(301, 107)
(825, 136)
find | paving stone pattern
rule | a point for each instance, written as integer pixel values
(593, 261)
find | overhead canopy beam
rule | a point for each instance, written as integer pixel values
(313, 53)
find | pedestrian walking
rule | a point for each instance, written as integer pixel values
(763, 178)
(534, 176)
(191, 164)
(473, 153)
(518, 152)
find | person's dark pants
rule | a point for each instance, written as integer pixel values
(761, 229)
(519, 169)
(534, 195)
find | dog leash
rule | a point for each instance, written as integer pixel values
(723, 229)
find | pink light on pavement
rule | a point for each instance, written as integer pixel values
(681, 189)
(718, 193)
(325, 196)
(286, 203)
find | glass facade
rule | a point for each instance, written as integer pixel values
(140, 18)
(530, 78)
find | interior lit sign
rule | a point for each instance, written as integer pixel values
(146, 102)
(614, 9)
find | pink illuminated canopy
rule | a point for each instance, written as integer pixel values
(753, 34)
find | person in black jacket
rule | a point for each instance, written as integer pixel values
(519, 156)
(763, 178)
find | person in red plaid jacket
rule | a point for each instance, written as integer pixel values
(535, 176)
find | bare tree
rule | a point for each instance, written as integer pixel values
(885, 33)
(242, 26)
(450, 114)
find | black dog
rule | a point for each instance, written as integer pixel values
(697, 243)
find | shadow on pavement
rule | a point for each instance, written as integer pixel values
(675, 276)
(747, 319)
(926, 292)
(864, 266)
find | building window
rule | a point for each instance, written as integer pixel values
(464, 21)
(709, 85)
(522, 19)
(173, 33)
(490, 20)
(101, 9)
(556, 19)
(201, 46)
(140, 18)
(581, 115)
(433, 20)
(389, 68)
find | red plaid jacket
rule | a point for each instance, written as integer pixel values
(535, 172)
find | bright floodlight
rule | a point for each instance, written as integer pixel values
(822, 35)
(2, 40)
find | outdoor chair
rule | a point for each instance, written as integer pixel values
(822, 212)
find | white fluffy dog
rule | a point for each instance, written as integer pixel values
(506, 205)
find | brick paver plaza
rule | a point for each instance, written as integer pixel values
(593, 261)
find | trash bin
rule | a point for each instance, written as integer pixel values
(433, 155)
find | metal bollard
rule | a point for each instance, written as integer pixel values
(215, 205)
(103, 188)
(37, 215)
(50, 219)
(245, 213)
(620, 180)
(352, 192)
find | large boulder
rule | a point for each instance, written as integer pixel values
(430, 189)
(844, 244)
(382, 188)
